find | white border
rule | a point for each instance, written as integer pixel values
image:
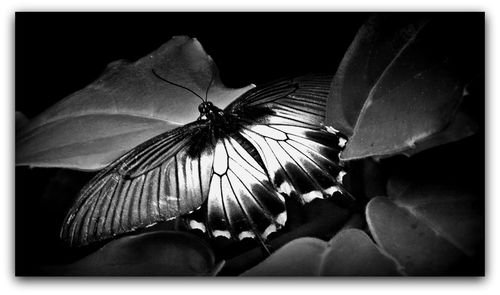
(8, 283)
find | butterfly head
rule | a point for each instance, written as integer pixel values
(205, 107)
(209, 112)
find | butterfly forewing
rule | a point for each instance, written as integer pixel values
(142, 187)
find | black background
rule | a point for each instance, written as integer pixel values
(60, 53)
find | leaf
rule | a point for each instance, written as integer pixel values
(373, 48)
(160, 253)
(319, 218)
(433, 220)
(349, 253)
(124, 107)
(417, 231)
(451, 211)
(461, 126)
(400, 82)
(353, 253)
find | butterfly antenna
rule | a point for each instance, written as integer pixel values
(175, 84)
(209, 85)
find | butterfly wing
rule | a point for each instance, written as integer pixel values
(158, 180)
(299, 154)
(242, 202)
(279, 146)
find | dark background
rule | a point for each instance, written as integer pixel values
(60, 53)
(57, 54)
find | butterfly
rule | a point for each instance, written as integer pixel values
(240, 163)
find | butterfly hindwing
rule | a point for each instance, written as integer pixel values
(242, 202)
(299, 155)
(158, 180)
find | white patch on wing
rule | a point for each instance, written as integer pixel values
(285, 188)
(246, 234)
(269, 230)
(220, 159)
(342, 142)
(340, 176)
(281, 219)
(206, 162)
(244, 158)
(311, 196)
(329, 191)
(221, 233)
(265, 152)
(243, 153)
(298, 131)
(268, 132)
(193, 224)
(331, 129)
(215, 192)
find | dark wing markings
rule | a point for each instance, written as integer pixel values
(135, 192)
(242, 203)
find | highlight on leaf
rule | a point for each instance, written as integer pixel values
(124, 107)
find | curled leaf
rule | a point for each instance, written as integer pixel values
(372, 50)
(127, 105)
(350, 253)
(400, 83)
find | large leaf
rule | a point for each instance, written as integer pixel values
(160, 253)
(453, 212)
(373, 48)
(400, 82)
(124, 107)
(350, 253)
(461, 126)
(429, 231)
(432, 221)
(319, 218)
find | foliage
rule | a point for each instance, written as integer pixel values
(399, 85)
(124, 107)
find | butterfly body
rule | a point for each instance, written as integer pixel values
(240, 163)
(208, 111)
